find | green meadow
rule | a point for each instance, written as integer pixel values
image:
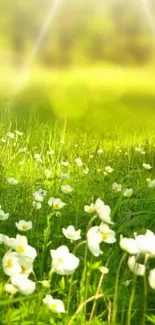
(103, 115)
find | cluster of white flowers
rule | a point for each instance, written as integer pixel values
(101, 233)
(140, 150)
(140, 245)
(39, 198)
(56, 203)
(128, 192)
(17, 263)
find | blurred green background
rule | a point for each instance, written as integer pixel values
(94, 65)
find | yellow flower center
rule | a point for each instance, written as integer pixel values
(9, 263)
(23, 271)
(20, 249)
(56, 206)
(90, 210)
(60, 260)
(105, 236)
(24, 227)
(53, 306)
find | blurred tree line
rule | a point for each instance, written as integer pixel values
(83, 31)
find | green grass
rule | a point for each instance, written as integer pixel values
(82, 95)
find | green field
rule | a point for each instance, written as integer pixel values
(64, 115)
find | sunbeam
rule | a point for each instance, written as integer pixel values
(24, 73)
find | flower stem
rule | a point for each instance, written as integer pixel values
(131, 301)
(116, 289)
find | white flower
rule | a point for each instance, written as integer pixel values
(63, 262)
(10, 263)
(66, 189)
(147, 166)
(103, 270)
(3, 215)
(103, 211)
(50, 152)
(137, 149)
(48, 173)
(10, 135)
(151, 183)
(78, 162)
(22, 150)
(64, 176)
(146, 243)
(57, 204)
(8, 241)
(64, 163)
(19, 133)
(108, 169)
(86, 171)
(94, 240)
(42, 192)
(21, 163)
(23, 225)
(99, 151)
(129, 245)
(20, 245)
(38, 196)
(9, 288)
(26, 265)
(12, 181)
(71, 233)
(89, 208)
(23, 284)
(37, 205)
(128, 192)
(137, 268)
(3, 140)
(152, 279)
(1, 238)
(116, 187)
(38, 158)
(56, 305)
(108, 235)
